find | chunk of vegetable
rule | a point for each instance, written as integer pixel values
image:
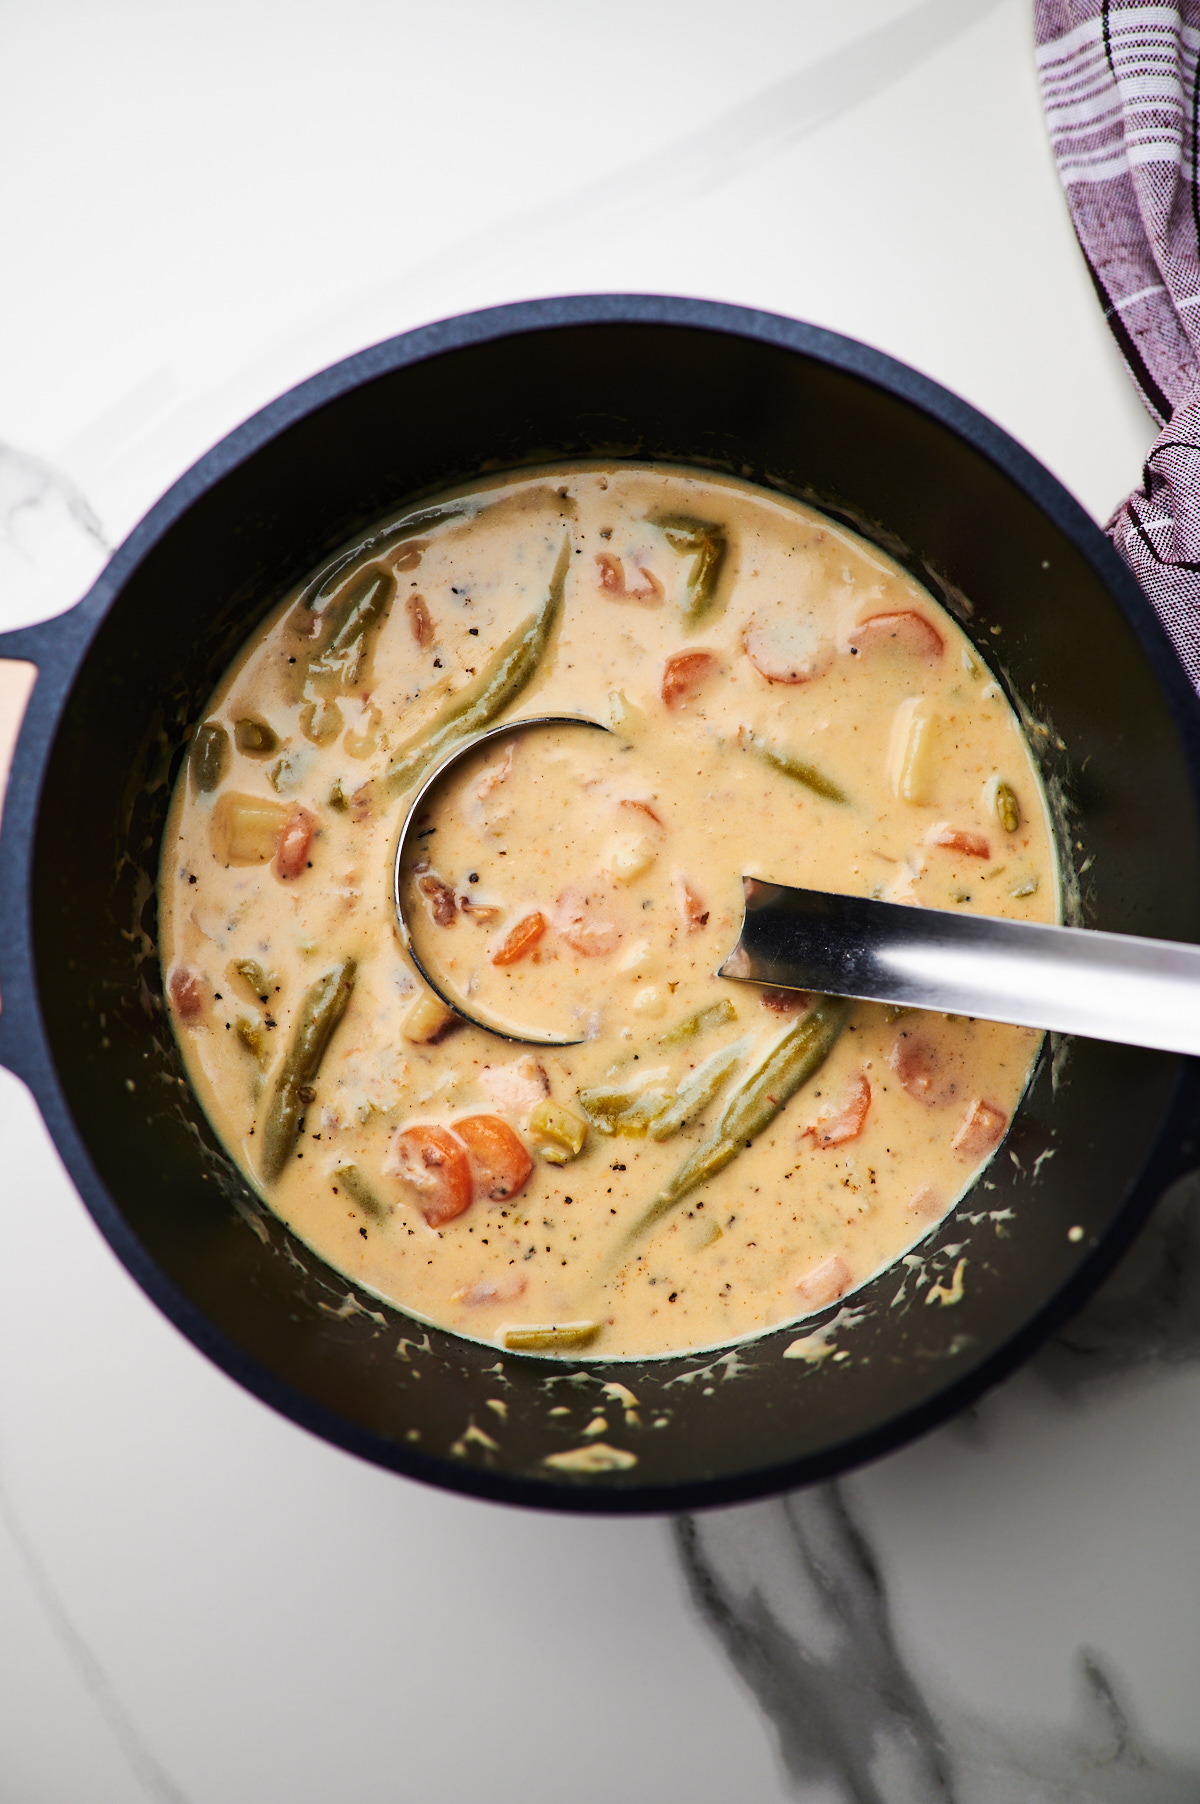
(714, 1014)
(246, 829)
(825, 1283)
(905, 631)
(295, 843)
(500, 1164)
(958, 839)
(427, 1020)
(846, 1121)
(780, 759)
(339, 665)
(319, 1014)
(564, 1131)
(350, 1179)
(1008, 809)
(980, 1131)
(208, 756)
(910, 754)
(562, 1337)
(254, 737)
(685, 674)
(520, 939)
(626, 1108)
(704, 543)
(501, 683)
(432, 1165)
(798, 1052)
(701, 1088)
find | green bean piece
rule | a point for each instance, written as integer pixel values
(339, 665)
(350, 1179)
(254, 737)
(705, 1083)
(252, 973)
(209, 756)
(251, 1036)
(797, 1054)
(704, 543)
(320, 1012)
(791, 766)
(563, 1338)
(426, 519)
(500, 684)
(1008, 809)
(715, 1014)
(628, 1109)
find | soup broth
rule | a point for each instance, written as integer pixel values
(707, 1159)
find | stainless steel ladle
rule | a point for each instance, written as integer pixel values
(1077, 980)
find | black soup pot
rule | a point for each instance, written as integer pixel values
(127, 673)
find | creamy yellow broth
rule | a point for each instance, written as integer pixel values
(784, 702)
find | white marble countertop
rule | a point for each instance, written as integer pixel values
(198, 1601)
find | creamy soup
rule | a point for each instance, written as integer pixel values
(706, 1159)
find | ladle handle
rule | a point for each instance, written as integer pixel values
(1107, 986)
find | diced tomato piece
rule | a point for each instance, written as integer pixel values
(918, 1066)
(187, 994)
(521, 939)
(433, 1164)
(419, 619)
(295, 838)
(612, 574)
(980, 1131)
(691, 907)
(905, 631)
(846, 1121)
(825, 1283)
(580, 929)
(500, 1163)
(684, 674)
(443, 904)
(958, 839)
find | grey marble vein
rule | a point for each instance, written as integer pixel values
(51, 542)
(794, 1593)
(152, 1778)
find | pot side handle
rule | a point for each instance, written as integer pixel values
(18, 676)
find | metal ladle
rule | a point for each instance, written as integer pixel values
(1106, 986)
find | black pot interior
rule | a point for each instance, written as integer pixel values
(1080, 1163)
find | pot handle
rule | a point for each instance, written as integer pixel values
(22, 653)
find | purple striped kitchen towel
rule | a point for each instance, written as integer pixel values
(1120, 93)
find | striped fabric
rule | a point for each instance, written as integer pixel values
(1120, 92)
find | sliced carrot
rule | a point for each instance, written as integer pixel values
(499, 1162)
(904, 631)
(980, 1131)
(846, 1121)
(825, 1283)
(958, 839)
(520, 940)
(918, 1067)
(684, 674)
(433, 1164)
